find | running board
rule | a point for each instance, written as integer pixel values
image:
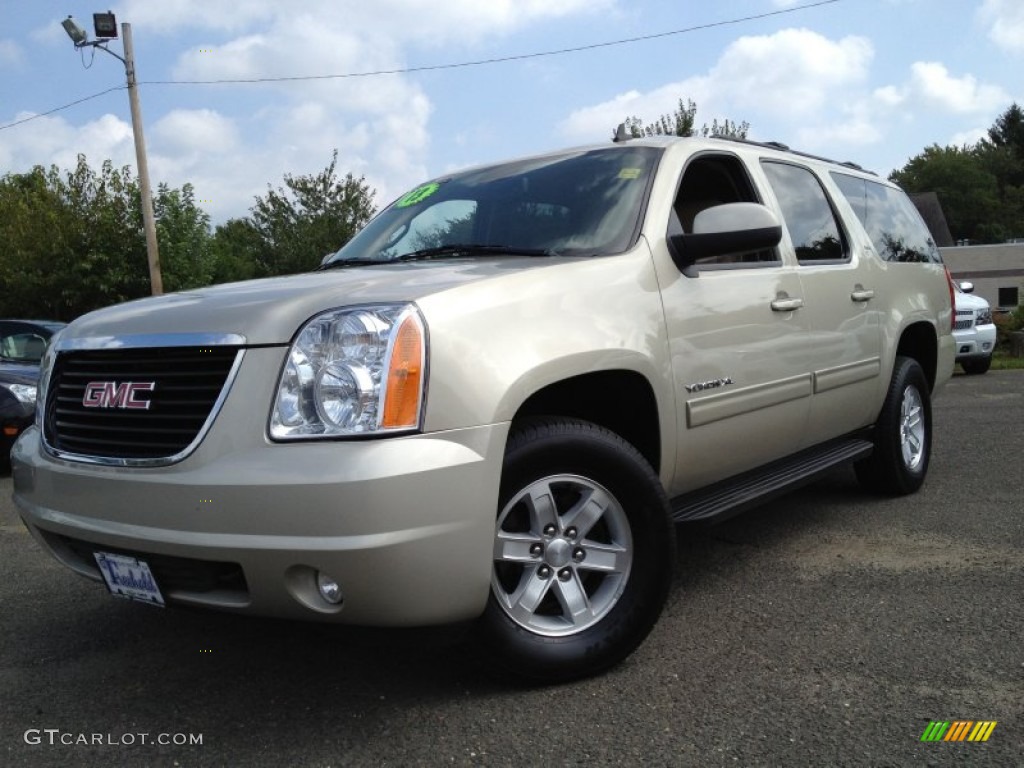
(733, 496)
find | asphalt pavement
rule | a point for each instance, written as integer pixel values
(829, 628)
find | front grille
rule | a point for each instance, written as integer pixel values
(172, 574)
(180, 384)
(964, 319)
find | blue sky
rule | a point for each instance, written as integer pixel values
(873, 81)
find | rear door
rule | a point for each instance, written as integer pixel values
(840, 283)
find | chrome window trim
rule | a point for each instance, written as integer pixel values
(140, 342)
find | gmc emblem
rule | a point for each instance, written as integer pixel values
(110, 394)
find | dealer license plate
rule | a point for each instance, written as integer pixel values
(129, 577)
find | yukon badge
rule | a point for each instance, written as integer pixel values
(713, 384)
(110, 394)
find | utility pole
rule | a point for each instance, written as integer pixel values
(148, 220)
(106, 29)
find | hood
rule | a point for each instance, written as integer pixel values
(970, 301)
(16, 373)
(270, 311)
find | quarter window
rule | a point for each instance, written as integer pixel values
(892, 222)
(808, 215)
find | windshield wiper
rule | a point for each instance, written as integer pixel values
(458, 250)
(473, 249)
(342, 263)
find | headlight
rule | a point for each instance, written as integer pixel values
(358, 371)
(25, 393)
(984, 317)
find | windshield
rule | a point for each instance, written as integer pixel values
(24, 343)
(584, 203)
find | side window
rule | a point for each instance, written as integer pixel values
(808, 215)
(892, 222)
(708, 181)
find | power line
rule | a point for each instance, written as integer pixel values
(499, 59)
(65, 106)
(436, 67)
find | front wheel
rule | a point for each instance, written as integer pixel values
(583, 552)
(977, 365)
(903, 434)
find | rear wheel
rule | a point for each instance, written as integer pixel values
(903, 434)
(583, 552)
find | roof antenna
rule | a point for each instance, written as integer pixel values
(621, 134)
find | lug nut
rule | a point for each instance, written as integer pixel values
(536, 550)
(565, 574)
(579, 554)
(571, 532)
(544, 572)
(550, 529)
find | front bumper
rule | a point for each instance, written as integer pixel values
(975, 343)
(405, 525)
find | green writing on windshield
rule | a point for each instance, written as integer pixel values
(418, 195)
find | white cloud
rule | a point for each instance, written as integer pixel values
(967, 138)
(251, 135)
(53, 141)
(11, 54)
(196, 130)
(413, 21)
(792, 71)
(1005, 22)
(791, 74)
(933, 84)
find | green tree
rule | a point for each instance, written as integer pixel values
(234, 251)
(682, 122)
(981, 187)
(314, 216)
(968, 191)
(184, 238)
(74, 242)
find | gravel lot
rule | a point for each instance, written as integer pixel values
(827, 628)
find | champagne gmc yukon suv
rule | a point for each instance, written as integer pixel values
(498, 399)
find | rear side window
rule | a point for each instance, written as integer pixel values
(808, 214)
(892, 222)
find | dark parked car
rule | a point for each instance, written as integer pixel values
(22, 344)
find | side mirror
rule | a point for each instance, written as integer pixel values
(724, 230)
(967, 287)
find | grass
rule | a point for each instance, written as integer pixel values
(1002, 362)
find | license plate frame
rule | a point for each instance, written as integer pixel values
(129, 578)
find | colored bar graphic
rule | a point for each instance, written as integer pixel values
(982, 731)
(959, 730)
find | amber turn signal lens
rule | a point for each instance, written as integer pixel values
(405, 377)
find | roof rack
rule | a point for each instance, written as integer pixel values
(778, 145)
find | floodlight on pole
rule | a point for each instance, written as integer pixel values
(78, 35)
(106, 29)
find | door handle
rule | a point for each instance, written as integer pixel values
(786, 304)
(861, 294)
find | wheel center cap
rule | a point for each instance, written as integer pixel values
(558, 553)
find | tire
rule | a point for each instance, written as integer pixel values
(903, 434)
(977, 366)
(583, 552)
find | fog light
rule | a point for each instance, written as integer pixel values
(330, 590)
